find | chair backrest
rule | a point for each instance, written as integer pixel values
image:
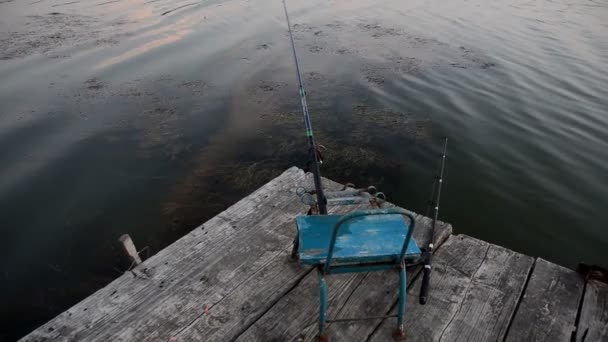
(359, 213)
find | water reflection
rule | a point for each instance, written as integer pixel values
(168, 35)
(127, 120)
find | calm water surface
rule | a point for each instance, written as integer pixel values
(149, 117)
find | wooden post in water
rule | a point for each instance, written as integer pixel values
(129, 247)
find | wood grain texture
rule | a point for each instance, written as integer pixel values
(549, 306)
(295, 316)
(466, 306)
(300, 307)
(454, 265)
(241, 308)
(593, 323)
(491, 298)
(379, 291)
(232, 279)
(169, 290)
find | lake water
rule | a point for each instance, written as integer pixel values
(149, 117)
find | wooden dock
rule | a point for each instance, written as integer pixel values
(232, 279)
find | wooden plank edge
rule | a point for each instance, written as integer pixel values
(49, 330)
(268, 307)
(580, 332)
(490, 246)
(445, 234)
(479, 255)
(520, 299)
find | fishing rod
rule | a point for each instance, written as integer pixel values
(314, 156)
(434, 204)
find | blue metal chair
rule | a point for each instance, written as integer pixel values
(361, 241)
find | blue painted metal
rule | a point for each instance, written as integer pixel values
(362, 241)
(402, 285)
(323, 302)
(359, 237)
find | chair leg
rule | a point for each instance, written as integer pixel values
(296, 247)
(400, 332)
(322, 307)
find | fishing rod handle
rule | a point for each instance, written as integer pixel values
(426, 277)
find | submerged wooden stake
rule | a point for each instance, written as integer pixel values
(129, 247)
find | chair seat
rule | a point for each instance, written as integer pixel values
(366, 239)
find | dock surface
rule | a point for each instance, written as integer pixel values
(232, 279)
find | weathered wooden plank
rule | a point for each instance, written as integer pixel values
(549, 306)
(378, 292)
(237, 311)
(593, 323)
(116, 306)
(295, 315)
(454, 264)
(232, 279)
(478, 309)
(207, 282)
(289, 320)
(244, 261)
(490, 301)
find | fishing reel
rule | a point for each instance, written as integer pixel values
(349, 195)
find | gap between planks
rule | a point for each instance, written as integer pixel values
(294, 316)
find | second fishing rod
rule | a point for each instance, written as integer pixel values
(433, 205)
